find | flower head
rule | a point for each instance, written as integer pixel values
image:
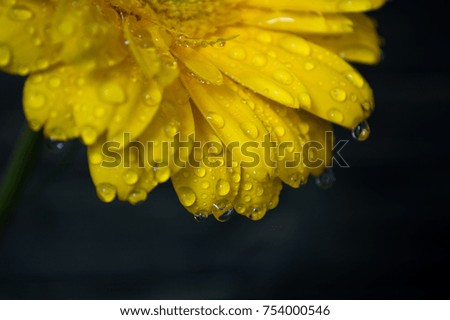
(227, 98)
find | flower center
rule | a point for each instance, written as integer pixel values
(191, 18)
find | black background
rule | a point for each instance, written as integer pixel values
(381, 232)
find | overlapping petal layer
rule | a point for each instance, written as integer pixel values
(229, 99)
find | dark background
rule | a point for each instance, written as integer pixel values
(382, 231)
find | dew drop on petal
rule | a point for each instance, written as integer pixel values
(35, 100)
(356, 79)
(106, 192)
(335, 115)
(137, 196)
(223, 187)
(326, 179)
(187, 196)
(247, 186)
(131, 177)
(249, 129)
(283, 77)
(162, 174)
(205, 185)
(240, 208)
(112, 93)
(338, 94)
(361, 132)
(237, 53)
(5, 55)
(216, 120)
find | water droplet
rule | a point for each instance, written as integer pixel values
(153, 97)
(367, 106)
(205, 185)
(355, 78)
(240, 208)
(279, 131)
(162, 174)
(338, 94)
(200, 172)
(247, 198)
(223, 187)
(95, 158)
(187, 196)
(264, 37)
(99, 112)
(296, 45)
(283, 76)
(200, 216)
(112, 93)
(335, 115)
(362, 131)
(66, 28)
(54, 82)
(259, 191)
(137, 196)
(131, 177)
(226, 216)
(5, 55)
(216, 120)
(106, 192)
(249, 129)
(35, 100)
(20, 13)
(326, 179)
(259, 60)
(236, 177)
(309, 66)
(247, 186)
(171, 129)
(237, 53)
(54, 145)
(88, 135)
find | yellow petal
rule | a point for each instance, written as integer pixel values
(172, 123)
(256, 197)
(206, 188)
(259, 71)
(362, 45)
(233, 120)
(199, 65)
(318, 5)
(338, 93)
(25, 45)
(87, 31)
(298, 22)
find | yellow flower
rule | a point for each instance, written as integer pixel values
(190, 90)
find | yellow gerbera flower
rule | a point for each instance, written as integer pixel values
(223, 97)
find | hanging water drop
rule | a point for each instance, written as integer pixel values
(200, 216)
(361, 132)
(54, 146)
(326, 179)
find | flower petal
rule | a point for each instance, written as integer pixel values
(318, 5)
(207, 186)
(233, 120)
(25, 45)
(255, 197)
(260, 72)
(362, 45)
(298, 22)
(338, 93)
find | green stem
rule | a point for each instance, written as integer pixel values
(20, 164)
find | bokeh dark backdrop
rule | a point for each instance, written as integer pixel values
(383, 231)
